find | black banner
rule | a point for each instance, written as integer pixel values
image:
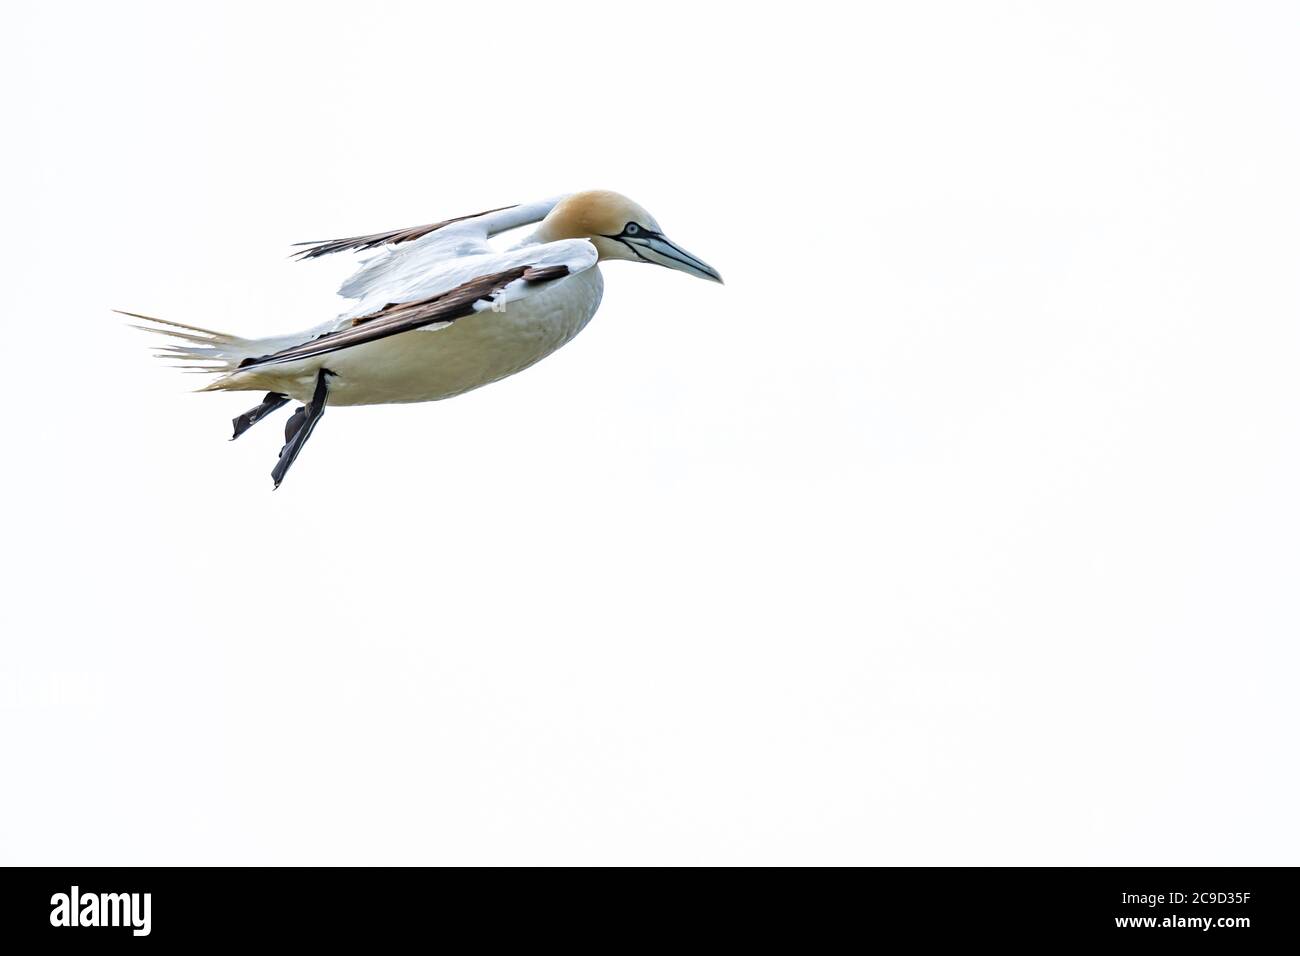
(144, 907)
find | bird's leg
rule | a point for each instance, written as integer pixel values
(300, 425)
(251, 417)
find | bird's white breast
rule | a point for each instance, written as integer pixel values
(426, 365)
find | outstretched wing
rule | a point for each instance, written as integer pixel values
(423, 260)
(499, 278)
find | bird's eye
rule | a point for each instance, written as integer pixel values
(632, 229)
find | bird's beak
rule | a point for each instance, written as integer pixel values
(664, 252)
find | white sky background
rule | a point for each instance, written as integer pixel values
(960, 526)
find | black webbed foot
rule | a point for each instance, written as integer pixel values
(300, 426)
(251, 417)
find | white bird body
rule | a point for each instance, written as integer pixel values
(519, 326)
(424, 366)
(438, 311)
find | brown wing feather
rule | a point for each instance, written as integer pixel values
(357, 243)
(395, 318)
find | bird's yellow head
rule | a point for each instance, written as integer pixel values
(619, 229)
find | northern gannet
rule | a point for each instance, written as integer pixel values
(438, 311)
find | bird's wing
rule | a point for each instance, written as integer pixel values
(476, 283)
(485, 224)
(406, 254)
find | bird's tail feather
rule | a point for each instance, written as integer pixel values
(209, 352)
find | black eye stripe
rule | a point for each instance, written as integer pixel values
(637, 230)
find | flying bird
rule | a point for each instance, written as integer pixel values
(438, 311)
